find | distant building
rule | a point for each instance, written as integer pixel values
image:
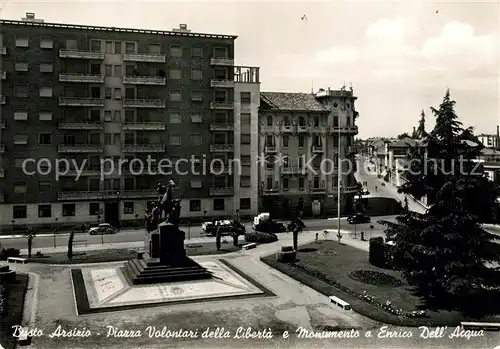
(490, 140)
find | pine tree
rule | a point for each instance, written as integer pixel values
(420, 132)
(443, 252)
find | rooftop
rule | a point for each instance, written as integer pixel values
(292, 101)
(173, 32)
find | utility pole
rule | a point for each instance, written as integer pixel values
(339, 175)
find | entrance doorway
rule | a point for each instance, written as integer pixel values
(112, 213)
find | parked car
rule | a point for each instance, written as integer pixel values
(226, 227)
(365, 191)
(103, 228)
(358, 218)
(265, 224)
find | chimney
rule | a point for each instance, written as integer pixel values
(30, 17)
(183, 28)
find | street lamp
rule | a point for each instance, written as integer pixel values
(119, 212)
(55, 230)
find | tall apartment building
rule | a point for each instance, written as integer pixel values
(298, 129)
(85, 93)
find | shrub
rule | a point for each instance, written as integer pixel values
(9, 252)
(259, 237)
(287, 248)
(377, 253)
(3, 299)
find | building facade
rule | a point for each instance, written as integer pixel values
(125, 109)
(490, 140)
(299, 152)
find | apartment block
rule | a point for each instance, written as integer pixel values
(107, 100)
(299, 140)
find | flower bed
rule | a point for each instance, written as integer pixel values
(375, 278)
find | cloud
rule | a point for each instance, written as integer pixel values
(388, 31)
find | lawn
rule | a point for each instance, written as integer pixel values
(326, 266)
(117, 255)
(15, 303)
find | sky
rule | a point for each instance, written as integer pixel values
(399, 56)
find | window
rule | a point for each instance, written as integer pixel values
(196, 183)
(21, 90)
(117, 138)
(194, 205)
(245, 139)
(71, 44)
(220, 96)
(218, 204)
(68, 210)
(47, 67)
(44, 186)
(107, 138)
(117, 116)
(19, 212)
(95, 45)
(220, 52)
(245, 181)
(220, 73)
(108, 70)
(155, 49)
(22, 41)
(196, 118)
(18, 162)
(175, 51)
(285, 183)
(117, 93)
(94, 209)
(175, 73)
(20, 115)
(175, 117)
(301, 140)
(245, 97)
(129, 93)
(286, 120)
(302, 121)
(196, 74)
(245, 204)
(285, 141)
(118, 47)
(45, 115)
(107, 116)
(175, 139)
(130, 47)
(118, 70)
(269, 120)
(197, 52)
(44, 211)
(46, 43)
(20, 138)
(109, 47)
(128, 207)
(21, 66)
(107, 92)
(175, 95)
(270, 141)
(20, 187)
(301, 183)
(245, 159)
(45, 138)
(196, 139)
(45, 91)
(196, 96)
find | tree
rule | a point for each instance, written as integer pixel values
(403, 136)
(420, 132)
(296, 226)
(218, 239)
(30, 234)
(443, 251)
(70, 244)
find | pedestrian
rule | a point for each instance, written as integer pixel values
(376, 188)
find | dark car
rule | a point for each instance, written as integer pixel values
(358, 218)
(270, 226)
(225, 227)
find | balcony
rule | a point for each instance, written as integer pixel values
(221, 127)
(144, 80)
(144, 126)
(222, 83)
(227, 191)
(344, 129)
(81, 102)
(81, 126)
(144, 57)
(2, 99)
(268, 192)
(293, 170)
(318, 149)
(144, 103)
(2, 173)
(302, 129)
(83, 172)
(2, 148)
(3, 50)
(270, 149)
(350, 189)
(80, 148)
(106, 194)
(222, 105)
(219, 148)
(143, 148)
(287, 129)
(222, 62)
(85, 78)
(317, 190)
(80, 54)
(3, 74)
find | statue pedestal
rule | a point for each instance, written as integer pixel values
(171, 241)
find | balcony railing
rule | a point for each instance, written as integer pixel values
(147, 126)
(80, 54)
(2, 173)
(86, 78)
(144, 103)
(222, 105)
(144, 80)
(143, 148)
(227, 191)
(83, 172)
(3, 74)
(302, 129)
(81, 102)
(80, 148)
(3, 50)
(344, 129)
(221, 127)
(287, 129)
(293, 170)
(2, 148)
(318, 149)
(222, 83)
(270, 149)
(317, 190)
(2, 99)
(81, 126)
(106, 194)
(221, 147)
(273, 191)
(222, 61)
(144, 57)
